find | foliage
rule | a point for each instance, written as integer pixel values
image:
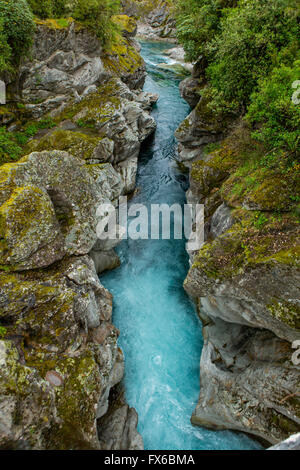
(96, 15)
(273, 110)
(16, 31)
(198, 22)
(251, 35)
(3, 332)
(249, 52)
(12, 143)
(5, 50)
(10, 150)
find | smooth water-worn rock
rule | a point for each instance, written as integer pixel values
(107, 127)
(221, 221)
(70, 62)
(157, 24)
(105, 260)
(194, 133)
(117, 429)
(65, 61)
(247, 381)
(114, 112)
(189, 90)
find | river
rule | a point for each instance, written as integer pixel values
(160, 331)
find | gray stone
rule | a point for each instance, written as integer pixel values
(117, 429)
(221, 221)
(105, 260)
(189, 89)
(246, 380)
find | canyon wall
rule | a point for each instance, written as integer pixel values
(156, 20)
(245, 280)
(60, 360)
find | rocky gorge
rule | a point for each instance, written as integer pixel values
(59, 353)
(62, 368)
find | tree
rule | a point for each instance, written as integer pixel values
(16, 30)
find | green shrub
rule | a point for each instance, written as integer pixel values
(17, 31)
(252, 35)
(198, 22)
(3, 332)
(49, 8)
(5, 50)
(96, 15)
(60, 8)
(273, 110)
(9, 148)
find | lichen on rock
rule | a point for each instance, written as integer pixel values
(64, 193)
(245, 279)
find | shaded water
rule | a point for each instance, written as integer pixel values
(160, 332)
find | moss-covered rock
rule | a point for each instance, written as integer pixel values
(48, 208)
(114, 112)
(81, 145)
(262, 189)
(52, 23)
(247, 245)
(124, 61)
(108, 179)
(29, 231)
(26, 402)
(58, 356)
(95, 109)
(127, 24)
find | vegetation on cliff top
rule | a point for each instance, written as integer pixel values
(247, 57)
(17, 23)
(249, 52)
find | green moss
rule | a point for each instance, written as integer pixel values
(76, 397)
(213, 170)
(51, 311)
(208, 118)
(262, 188)
(286, 312)
(126, 23)
(51, 23)
(245, 246)
(284, 424)
(21, 229)
(97, 108)
(122, 58)
(3, 332)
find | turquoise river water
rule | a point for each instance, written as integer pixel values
(160, 331)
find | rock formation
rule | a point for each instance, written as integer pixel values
(245, 280)
(59, 356)
(156, 21)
